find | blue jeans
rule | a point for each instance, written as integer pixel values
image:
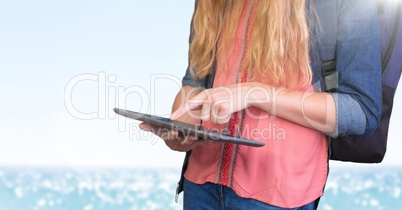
(211, 196)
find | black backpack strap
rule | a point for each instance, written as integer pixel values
(327, 30)
(179, 188)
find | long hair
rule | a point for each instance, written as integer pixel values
(278, 51)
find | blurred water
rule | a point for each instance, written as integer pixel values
(87, 189)
(121, 189)
(363, 188)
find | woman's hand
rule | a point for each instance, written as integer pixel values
(173, 139)
(218, 104)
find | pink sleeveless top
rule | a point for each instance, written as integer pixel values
(289, 171)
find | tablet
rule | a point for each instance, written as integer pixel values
(186, 128)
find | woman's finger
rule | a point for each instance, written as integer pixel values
(192, 104)
(221, 112)
(170, 135)
(205, 113)
(146, 127)
(190, 140)
(164, 133)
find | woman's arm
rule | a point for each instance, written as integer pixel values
(358, 62)
(310, 109)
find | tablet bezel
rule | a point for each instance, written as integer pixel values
(186, 128)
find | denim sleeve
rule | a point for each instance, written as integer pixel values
(189, 80)
(358, 96)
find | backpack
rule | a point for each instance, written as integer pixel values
(365, 149)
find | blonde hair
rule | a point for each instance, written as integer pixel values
(278, 51)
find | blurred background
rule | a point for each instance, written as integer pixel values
(65, 64)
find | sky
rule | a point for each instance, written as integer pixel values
(66, 64)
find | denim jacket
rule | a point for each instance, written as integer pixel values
(358, 57)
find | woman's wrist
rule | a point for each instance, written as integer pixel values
(261, 96)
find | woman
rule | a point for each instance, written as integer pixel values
(261, 53)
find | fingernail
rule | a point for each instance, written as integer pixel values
(142, 127)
